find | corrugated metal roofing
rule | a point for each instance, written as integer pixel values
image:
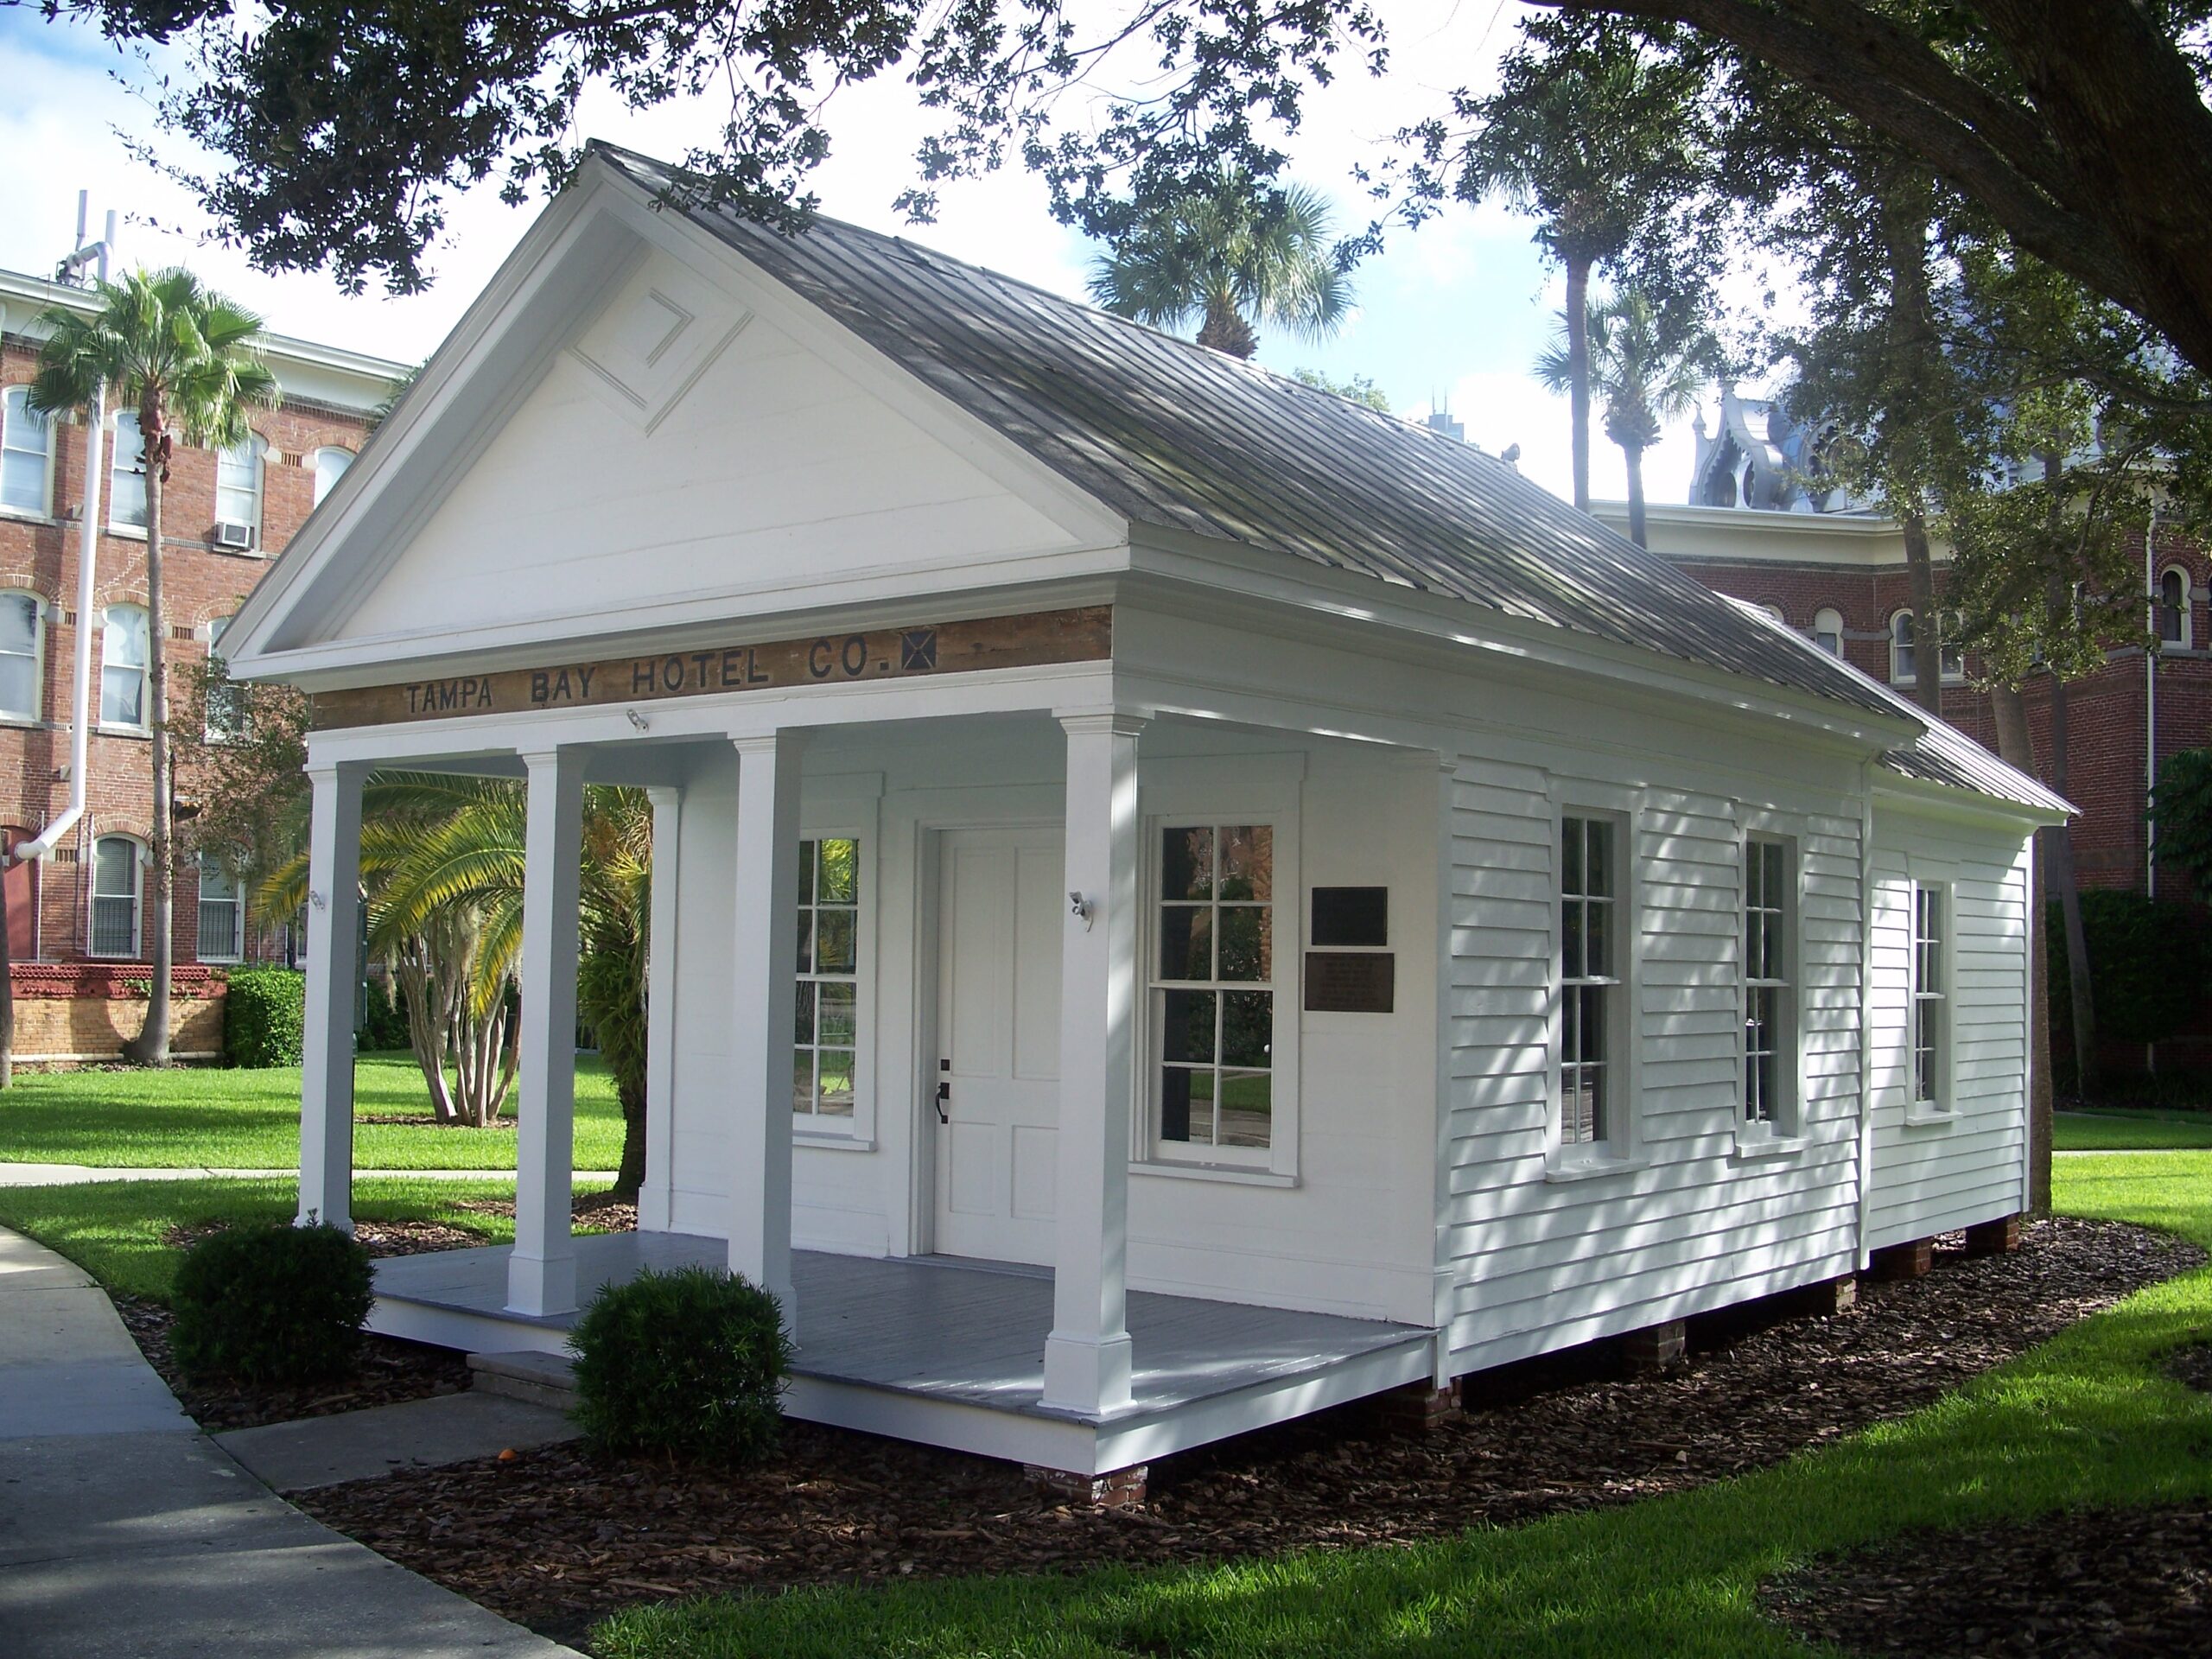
(1169, 433)
(1943, 753)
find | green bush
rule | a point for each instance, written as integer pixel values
(384, 1028)
(272, 1304)
(689, 1364)
(2150, 960)
(264, 1016)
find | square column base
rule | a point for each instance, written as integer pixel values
(1091, 1377)
(541, 1284)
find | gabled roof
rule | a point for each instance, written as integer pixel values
(1172, 435)
(1941, 754)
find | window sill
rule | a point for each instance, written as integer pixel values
(1231, 1174)
(828, 1142)
(102, 728)
(25, 516)
(129, 532)
(1557, 1170)
(1749, 1146)
(1930, 1117)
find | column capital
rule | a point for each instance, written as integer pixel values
(663, 795)
(789, 737)
(553, 755)
(334, 771)
(1122, 722)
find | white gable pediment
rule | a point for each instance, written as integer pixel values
(689, 443)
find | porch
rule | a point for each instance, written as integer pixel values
(951, 1352)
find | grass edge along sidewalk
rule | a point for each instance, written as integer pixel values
(2088, 1419)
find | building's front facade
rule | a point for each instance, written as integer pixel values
(77, 918)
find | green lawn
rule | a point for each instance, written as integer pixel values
(2086, 1419)
(113, 1229)
(2121, 1129)
(187, 1116)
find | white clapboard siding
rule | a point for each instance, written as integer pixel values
(1539, 1263)
(1932, 1174)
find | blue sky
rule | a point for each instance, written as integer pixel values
(1453, 313)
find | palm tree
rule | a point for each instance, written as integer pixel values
(1647, 373)
(1588, 136)
(1234, 254)
(186, 358)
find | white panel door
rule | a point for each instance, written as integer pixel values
(998, 1055)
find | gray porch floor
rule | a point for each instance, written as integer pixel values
(936, 1328)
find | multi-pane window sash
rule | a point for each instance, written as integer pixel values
(1766, 976)
(19, 631)
(222, 913)
(826, 1036)
(25, 436)
(1928, 997)
(1213, 996)
(115, 896)
(2173, 608)
(1589, 929)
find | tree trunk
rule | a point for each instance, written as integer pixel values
(631, 1177)
(2016, 747)
(151, 1046)
(1634, 457)
(2083, 1004)
(1578, 375)
(422, 997)
(1927, 621)
(7, 979)
(1225, 330)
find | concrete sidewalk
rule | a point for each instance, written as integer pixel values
(76, 1174)
(125, 1533)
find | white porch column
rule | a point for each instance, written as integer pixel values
(541, 1272)
(654, 1197)
(763, 992)
(333, 926)
(1087, 1362)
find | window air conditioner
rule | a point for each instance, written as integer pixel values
(238, 536)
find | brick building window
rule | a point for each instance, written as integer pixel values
(1901, 655)
(1827, 631)
(2174, 608)
(226, 709)
(22, 619)
(330, 464)
(116, 892)
(222, 912)
(26, 456)
(124, 642)
(126, 474)
(239, 472)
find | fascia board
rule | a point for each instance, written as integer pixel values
(399, 477)
(1924, 798)
(1235, 575)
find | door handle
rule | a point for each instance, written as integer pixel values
(943, 1093)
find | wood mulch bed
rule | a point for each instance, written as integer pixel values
(390, 1370)
(557, 1538)
(2119, 1582)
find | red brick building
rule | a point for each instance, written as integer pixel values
(77, 918)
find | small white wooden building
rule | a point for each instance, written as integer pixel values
(1179, 900)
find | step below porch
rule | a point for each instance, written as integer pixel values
(949, 1352)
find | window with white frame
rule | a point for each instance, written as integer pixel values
(1769, 1047)
(116, 892)
(1775, 611)
(1828, 629)
(1903, 656)
(2173, 609)
(126, 473)
(124, 654)
(1928, 1024)
(330, 464)
(238, 473)
(1213, 991)
(825, 1039)
(225, 700)
(222, 912)
(1590, 948)
(26, 456)
(22, 629)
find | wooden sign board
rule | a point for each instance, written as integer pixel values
(1084, 635)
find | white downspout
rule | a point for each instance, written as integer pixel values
(88, 542)
(2151, 727)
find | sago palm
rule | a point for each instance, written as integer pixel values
(188, 361)
(1233, 256)
(1647, 374)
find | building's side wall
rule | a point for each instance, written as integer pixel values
(1932, 1171)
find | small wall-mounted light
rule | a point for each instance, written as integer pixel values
(1079, 908)
(637, 720)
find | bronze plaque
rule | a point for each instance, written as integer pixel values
(920, 650)
(1350, 981)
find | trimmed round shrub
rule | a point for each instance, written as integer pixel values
(272, 1304)
(264, 1016)
(689, 1364)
